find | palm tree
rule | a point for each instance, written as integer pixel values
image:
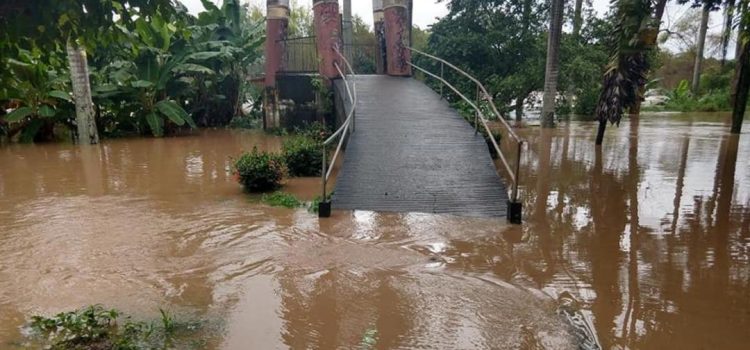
(79, 77)
(635, 35)
(727, 32)
(742, 73)
(697, 68)
(553, 63)
(577, 18)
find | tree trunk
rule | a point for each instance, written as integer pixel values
(79, 76)
(519, 109)
(600, 132)
(577, 19)
(553, 64)
(697, 68)
(740, 28)
(741, 80)
(727, 32)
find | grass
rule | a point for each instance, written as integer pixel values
(289, 201)
(281, 199)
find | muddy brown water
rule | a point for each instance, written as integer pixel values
(652, 233)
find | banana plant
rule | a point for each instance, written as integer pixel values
(157, 76)
(38, 95)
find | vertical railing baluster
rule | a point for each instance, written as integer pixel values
(442, 78)
(325, 170)
(476, 114)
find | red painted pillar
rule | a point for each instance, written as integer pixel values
(378, 20)
(328, 36)
(277, 24)
(397, 37)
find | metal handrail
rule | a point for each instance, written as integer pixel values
(344, 131)
(482, 94)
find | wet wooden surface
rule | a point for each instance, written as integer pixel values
(411, 152)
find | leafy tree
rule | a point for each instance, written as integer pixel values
(509, 31)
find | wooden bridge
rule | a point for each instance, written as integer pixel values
(407, 150)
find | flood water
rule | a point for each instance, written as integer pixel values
(652, 234)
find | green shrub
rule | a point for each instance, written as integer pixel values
(303, 156)
(316, 131)
(259, 171)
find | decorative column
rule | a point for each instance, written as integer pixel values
(379, 21)
(348, 27)
(328, 36)
(277, 24)
(397, 33)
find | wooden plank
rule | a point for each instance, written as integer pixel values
(411, 152)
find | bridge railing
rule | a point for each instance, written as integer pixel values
(512, 171)
(342, 134)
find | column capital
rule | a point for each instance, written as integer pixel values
(395, 3)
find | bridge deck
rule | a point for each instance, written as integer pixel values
(411, 152)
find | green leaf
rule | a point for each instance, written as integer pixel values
(46, 111)
(193, 68)
(156, 124)
(206, 55)
(60, 95)
(18, 114)
(142, 84)
(174, 112)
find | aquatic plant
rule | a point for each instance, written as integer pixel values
(303, 156)
(281, 199)
(259, 171)
(95, 327)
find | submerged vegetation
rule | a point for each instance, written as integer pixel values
(95, 327)
(259, 171)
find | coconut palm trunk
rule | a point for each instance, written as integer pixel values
(741, 78)
(727, 31)
(698, 67)
(577, 18)
(79, 76)
(552, 69)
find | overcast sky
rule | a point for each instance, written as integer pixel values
(426, 12)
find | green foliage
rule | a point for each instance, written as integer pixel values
(316, 131)
(95, 327)
(303, 156)
(154, 67)
(281, 199)
(259, 171)
(323, 94)
(36, 89)
(681, 99)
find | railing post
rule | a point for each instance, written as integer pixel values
(442, 78)
(324, 206)
(476, 114)
(515, 208)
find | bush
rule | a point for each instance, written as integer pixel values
(316, 131)
(259, 171)
(303, 156)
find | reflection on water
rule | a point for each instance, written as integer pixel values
(652, 233)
